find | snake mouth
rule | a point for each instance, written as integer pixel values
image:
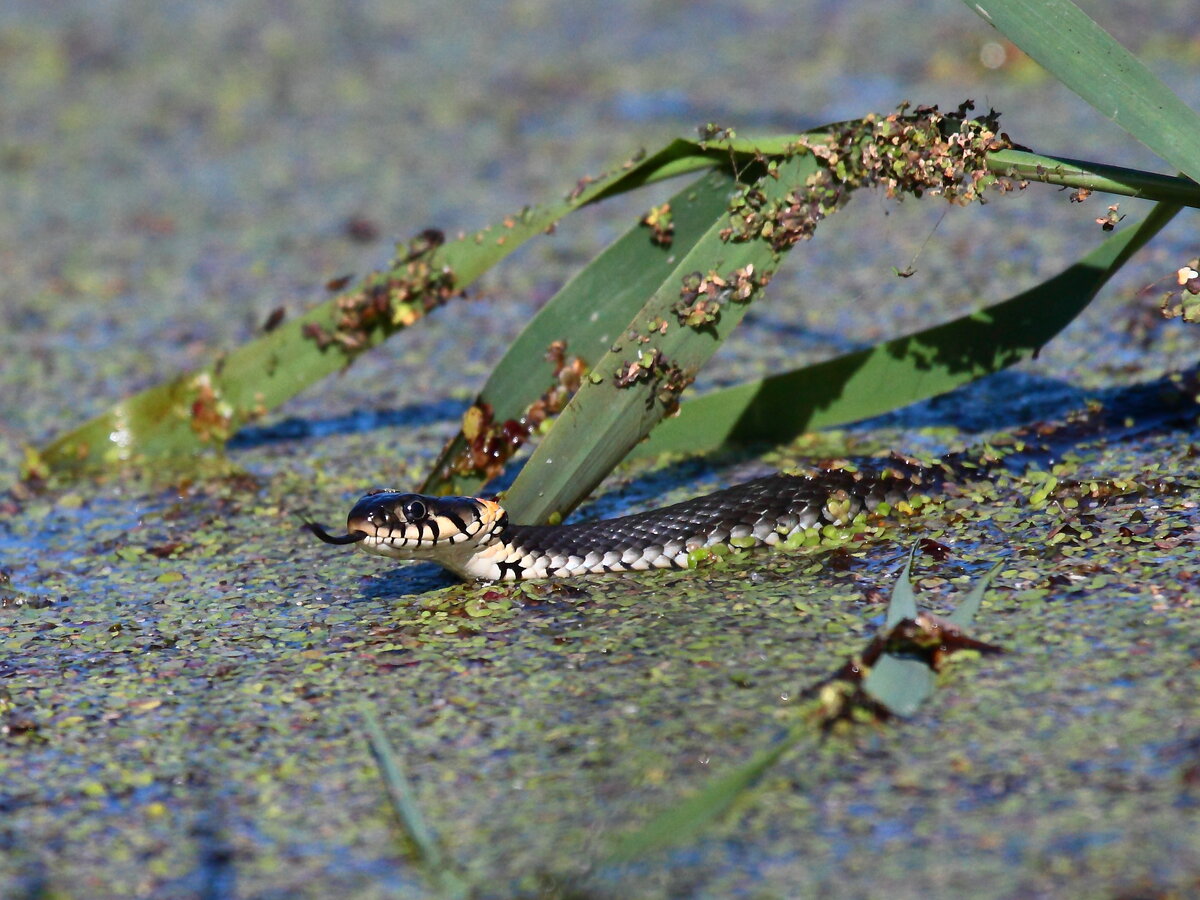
(352, 537)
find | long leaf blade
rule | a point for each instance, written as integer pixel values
(587, 315)
(634, 385)
(901, 371)
(207, 406)
(1088, 60)
(175, 419)
(172, 421)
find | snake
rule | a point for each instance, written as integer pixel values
(473, 537)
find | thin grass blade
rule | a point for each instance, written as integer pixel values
(964, 614)
(903, 603)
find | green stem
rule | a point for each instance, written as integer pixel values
(1078, 173)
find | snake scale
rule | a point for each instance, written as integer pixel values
(473, 537)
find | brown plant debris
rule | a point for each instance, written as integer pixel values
(701, 296)
(667, 378)
(917, 152)
(388, 300)
(490, 444)
(1109, 220)
(211, 416)
(661, 225)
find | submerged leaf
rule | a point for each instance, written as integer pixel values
(422, 845)
(686, 819)
(899, 684)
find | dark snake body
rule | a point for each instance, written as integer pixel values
(765, 511)
(474, 539)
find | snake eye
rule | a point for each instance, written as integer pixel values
(414, 510)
